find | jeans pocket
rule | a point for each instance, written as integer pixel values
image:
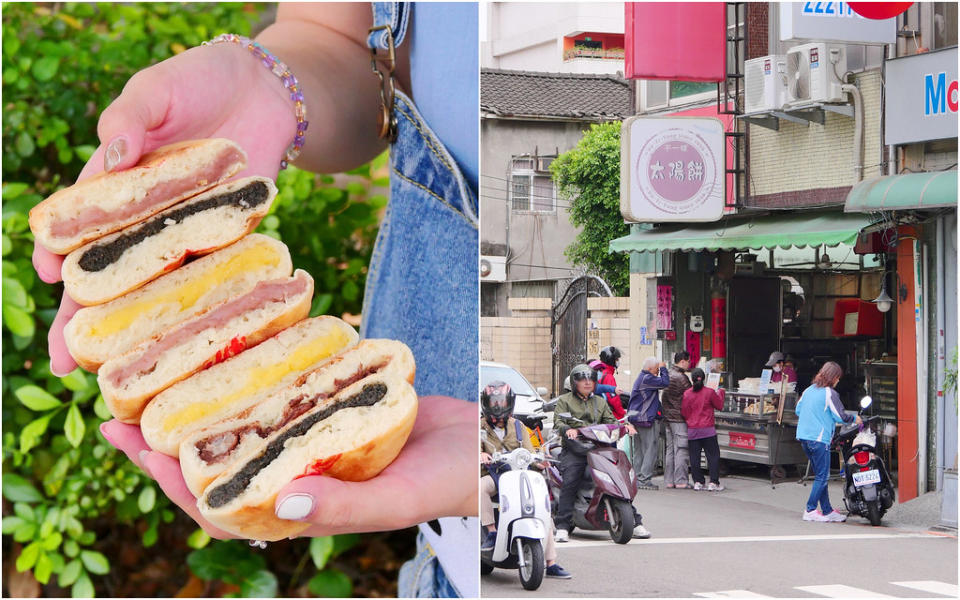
(417, 577)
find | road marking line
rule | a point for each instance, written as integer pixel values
(731, 594)
(936, 587)
(759, 538)
(840, 591)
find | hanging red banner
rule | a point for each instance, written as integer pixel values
(718, 320)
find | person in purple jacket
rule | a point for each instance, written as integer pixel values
(643, 414)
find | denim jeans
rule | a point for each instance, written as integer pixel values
(819, 455)
(423, 577)
(422, 289)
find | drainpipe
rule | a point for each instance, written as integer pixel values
(941, 357)
(854, 92)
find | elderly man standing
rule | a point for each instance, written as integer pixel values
(644, 406)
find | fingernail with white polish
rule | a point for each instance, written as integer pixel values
(114, 153)
(295, 507)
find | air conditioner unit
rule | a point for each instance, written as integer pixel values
(493, 268)
(814, 73)
(766, 83)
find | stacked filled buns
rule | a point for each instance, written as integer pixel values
(198, 331)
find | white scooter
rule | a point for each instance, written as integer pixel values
(524, 511)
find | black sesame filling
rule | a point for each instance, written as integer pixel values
(224, 493)
(101, 256)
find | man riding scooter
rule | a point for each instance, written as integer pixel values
(574, 409)
(500, 432)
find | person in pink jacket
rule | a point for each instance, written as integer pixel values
(699, 403)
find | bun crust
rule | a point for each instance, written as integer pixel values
(353, 444)
(161, 252)
(97, 333)
(129, 381)
(369, 358)
(108, 202)
(242, 381)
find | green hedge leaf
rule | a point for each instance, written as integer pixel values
(28, 557)
(343, 542)
(36, 398)
(95, 562)
(198, 539)
(331, 583)
(70, 573)
(18, 321)
(84, 151)
(320, 550)
(11, 523)
(74, 427)
(13, 291)
(260, 584)
(83, 588)
(44, 568)
(18, 489)
(100, 408)
(52, 541)
(76, 380)
(45, 68)
(24, 144)
(13, 190)
(147, 499)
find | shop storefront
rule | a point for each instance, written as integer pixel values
(735, 291)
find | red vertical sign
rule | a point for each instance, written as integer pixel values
(718, 314)
(693, 346)
(684, 41)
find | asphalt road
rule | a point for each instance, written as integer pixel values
(749, 541)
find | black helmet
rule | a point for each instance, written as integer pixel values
(581, 372)
(610, 355)
(497, 400)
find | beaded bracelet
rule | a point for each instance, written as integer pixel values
(289, 81)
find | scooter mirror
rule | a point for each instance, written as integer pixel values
(865, 402)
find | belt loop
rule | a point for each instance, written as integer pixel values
(386, 123)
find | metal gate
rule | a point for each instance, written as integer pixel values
(568, 327)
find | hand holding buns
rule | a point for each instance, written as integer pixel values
(215, 359)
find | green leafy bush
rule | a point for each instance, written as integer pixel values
(65, 489)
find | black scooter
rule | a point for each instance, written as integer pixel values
(868, 490)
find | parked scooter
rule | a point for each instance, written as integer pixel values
(523, 513)
(605, 497)
(867, 491)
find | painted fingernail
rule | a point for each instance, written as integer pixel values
(143, 462)
(115, 153)
(295, 507)
(57, 373)
(106, 435)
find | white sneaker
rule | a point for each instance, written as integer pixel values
(715, 487)
(835, 517)
(815, 515)
(641, 532)
(562, 535)
(697, 487)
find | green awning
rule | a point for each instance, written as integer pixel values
(770, 231)
(911, 191)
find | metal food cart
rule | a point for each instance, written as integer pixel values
(760, 428)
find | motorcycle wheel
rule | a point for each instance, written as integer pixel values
(620, 521)
(531, 573)
(873, 512)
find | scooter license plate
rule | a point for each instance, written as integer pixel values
(862, 478)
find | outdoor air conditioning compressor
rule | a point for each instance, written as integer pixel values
(765, 83)
(815, 73)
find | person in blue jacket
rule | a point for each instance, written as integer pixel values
(819, 410)
(643, 414)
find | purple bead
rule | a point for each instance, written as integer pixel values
(305, 123)
(283, 164)
(301, 127)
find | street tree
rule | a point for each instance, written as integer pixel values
(588, 177)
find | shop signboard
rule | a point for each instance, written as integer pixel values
(921, 97)
(672, 169)
(743, 440)
(683, 41)
(833, 22)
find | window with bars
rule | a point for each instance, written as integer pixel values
(531, 186)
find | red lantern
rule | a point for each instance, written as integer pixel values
(879, 10)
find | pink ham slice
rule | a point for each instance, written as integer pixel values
(264, 293)
(160, 196)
